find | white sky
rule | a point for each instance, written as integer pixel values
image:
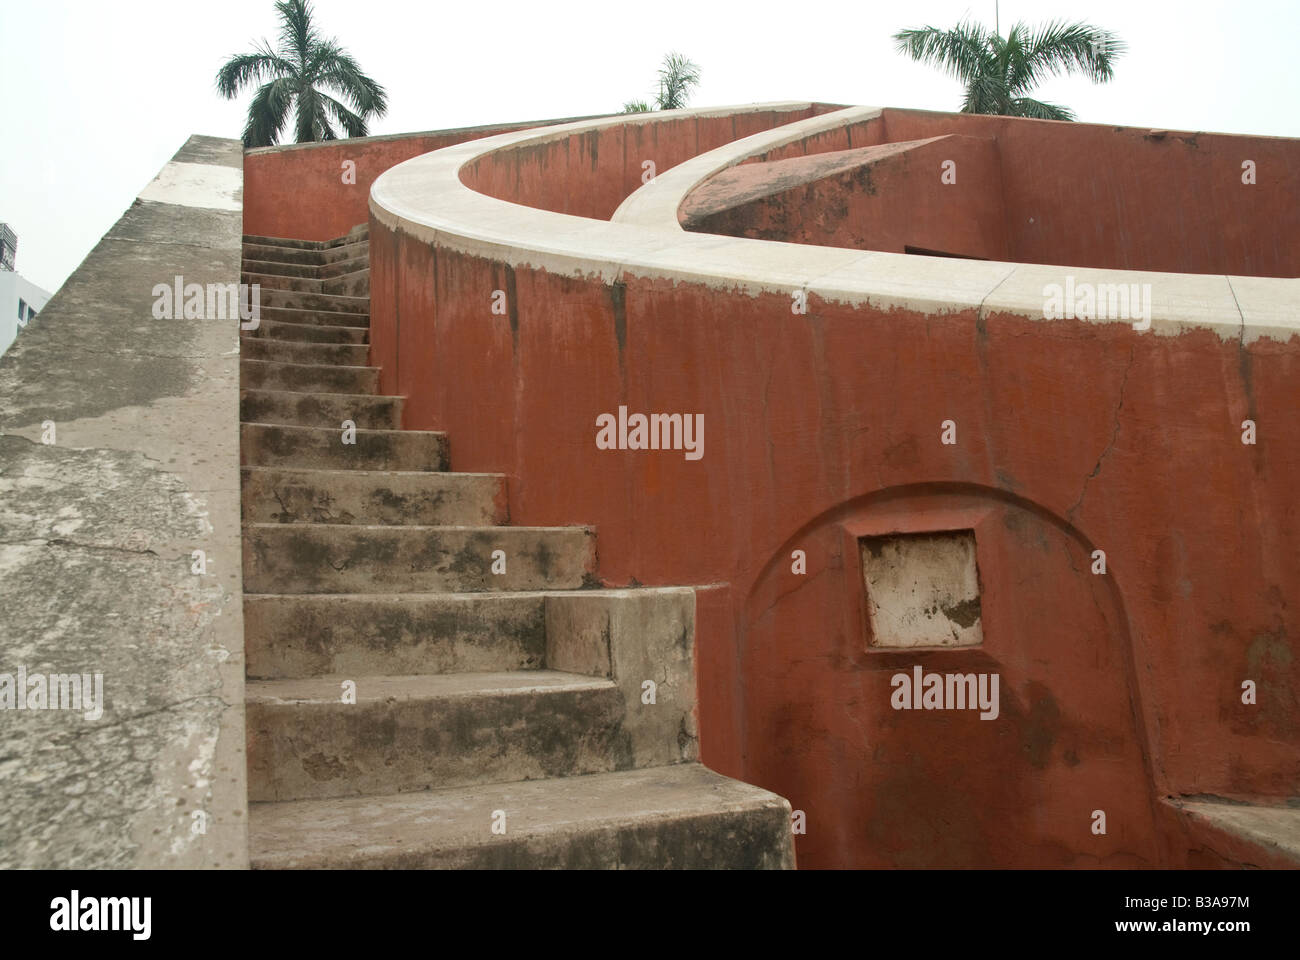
(99, 95)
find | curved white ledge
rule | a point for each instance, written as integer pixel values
(425, 198)
(655, 205)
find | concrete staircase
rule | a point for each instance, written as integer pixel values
(427, 685)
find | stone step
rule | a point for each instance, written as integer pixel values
(309, 332)
(355, 558)
(315, 257)
(270, 253)
(291, 351)
(293, 300)
(614, 633)
(285, 445)
(322, 318)
(353, 250)
(679, 817)
(1268, 834)
(320, 409)
(286, 242)
(276, 281)
(360, 232)
(408, 733)
(337, 268)
(288, 495)
(356, 284)
(312, 635)
(308, 377)
(280, 268)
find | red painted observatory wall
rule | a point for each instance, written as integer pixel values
(298, 191)
(1117, 690)
(1058, 193)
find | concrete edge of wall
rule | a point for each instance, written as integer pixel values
(394, 137)
(119, 460)
(425, 198)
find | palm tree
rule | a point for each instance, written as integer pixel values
(999, 72)
(294, 76)
(678, 78)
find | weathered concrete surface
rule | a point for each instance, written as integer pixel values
(278, 444)
(355, 558)
(283, 268)
(96, 534)
(922, 590)
(308, 377)
(287, 351)
(271, 328)
(426, 732)
(325, 302)
(281, 495)
(278, 253)
(682, 817)
(355, 284)
(278, 281)
(308, 635)
(342, 266)
(318, 409)
(298, 316)
(1231, 834)
(644, 641)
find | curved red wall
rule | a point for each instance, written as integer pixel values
(1119, 690)
(1108, 438)
(299, 191)
(1029, 191)
(589, 174)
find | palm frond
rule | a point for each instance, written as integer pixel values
(246, 69)
(351, 124)
(297, 33)
(1038, 110)
(267, 113)
(963, 52)
(337, 69)
(308, 120)
(1068, 48)
(678, 78)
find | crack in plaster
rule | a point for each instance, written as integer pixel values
(1114, 434)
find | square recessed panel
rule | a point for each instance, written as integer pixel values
(922, 589)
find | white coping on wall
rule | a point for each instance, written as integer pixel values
(208, 185)
(425, 198)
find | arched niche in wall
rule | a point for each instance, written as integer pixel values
(949, 684)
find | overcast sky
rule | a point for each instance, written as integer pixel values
(99, 95)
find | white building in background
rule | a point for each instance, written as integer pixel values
(20, 300)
